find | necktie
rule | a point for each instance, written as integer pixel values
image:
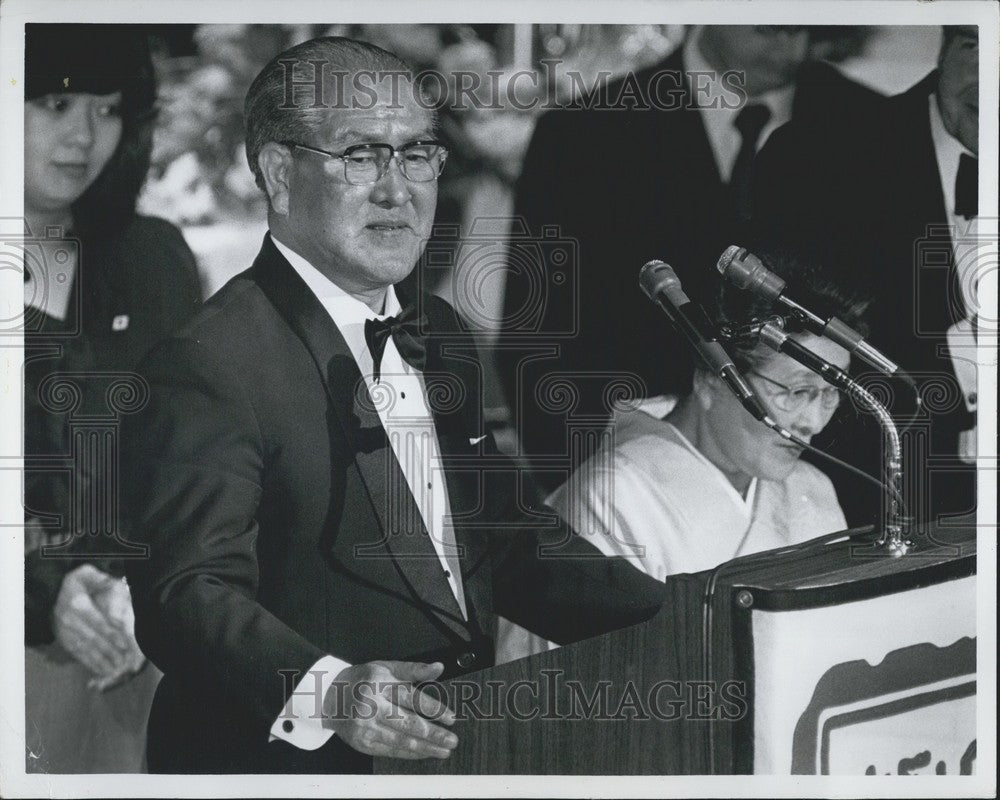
(750, 121)
(967, 187)
(406, 331)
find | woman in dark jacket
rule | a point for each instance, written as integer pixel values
(102, 285)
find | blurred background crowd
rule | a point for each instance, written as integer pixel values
(199, 178)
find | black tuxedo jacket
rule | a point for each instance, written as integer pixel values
(601, 193)
(866, 202)
(280, 527)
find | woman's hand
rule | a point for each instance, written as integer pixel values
(93, 621)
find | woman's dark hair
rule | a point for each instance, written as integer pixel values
(100, 59)
(815, 287)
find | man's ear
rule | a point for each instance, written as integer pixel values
(275, 162)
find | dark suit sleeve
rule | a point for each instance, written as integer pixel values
(194, 460)
(561, 587)
(556, 583)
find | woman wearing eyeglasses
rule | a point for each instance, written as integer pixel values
(706, 482)
(691, 483)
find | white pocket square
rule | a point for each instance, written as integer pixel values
(476, 439)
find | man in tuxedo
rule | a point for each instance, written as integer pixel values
(654, 166)
(893, 204)
(324, 509)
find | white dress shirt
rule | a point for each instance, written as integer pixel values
(948, 150)
(401, 402)
(966, 247)
(720, 120)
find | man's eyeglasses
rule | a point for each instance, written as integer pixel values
(365, 164)
(795, 398)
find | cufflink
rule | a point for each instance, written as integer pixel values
(287, 726)
(466, 660)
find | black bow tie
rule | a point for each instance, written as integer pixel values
(407, 331)
(967, 187)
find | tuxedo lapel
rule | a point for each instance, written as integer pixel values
(404, 537)
(453, 381)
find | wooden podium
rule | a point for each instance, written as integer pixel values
(711, 685)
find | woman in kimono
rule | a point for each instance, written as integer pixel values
(692, 482)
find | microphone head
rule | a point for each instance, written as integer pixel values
(745, 271)
(656, 277)
(726, 259)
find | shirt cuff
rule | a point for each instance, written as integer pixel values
(300, 722)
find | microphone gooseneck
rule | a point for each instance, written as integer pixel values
(892, 535)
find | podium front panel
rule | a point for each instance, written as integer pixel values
(878, 685)
(823, 658)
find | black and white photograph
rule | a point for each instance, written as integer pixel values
(503, 399)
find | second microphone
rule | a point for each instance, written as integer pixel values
(661, 284)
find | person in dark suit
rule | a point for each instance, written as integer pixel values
(892, 205)
(323, 507)
(654, 166)
(102, 285)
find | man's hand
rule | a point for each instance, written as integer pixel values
(92, 621)
(375, 708)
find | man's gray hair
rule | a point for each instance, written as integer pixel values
(294, 93)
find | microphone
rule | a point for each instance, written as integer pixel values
(774, 336)
(663, 287)
(745, 271)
